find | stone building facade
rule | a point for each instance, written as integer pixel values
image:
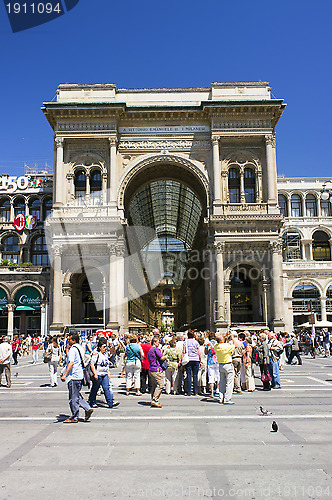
(197, 167)
(25, 202)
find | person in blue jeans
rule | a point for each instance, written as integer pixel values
(275, 349)
(101, 375)
(191, 346)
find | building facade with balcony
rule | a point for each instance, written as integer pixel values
(306, 248)
(25, 202)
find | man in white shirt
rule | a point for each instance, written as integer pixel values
(74, 375)
(5, 354)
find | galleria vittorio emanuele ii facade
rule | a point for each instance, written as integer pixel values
(167, 210)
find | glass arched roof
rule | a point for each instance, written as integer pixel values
(172, 209)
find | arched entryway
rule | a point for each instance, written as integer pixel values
(169, 199)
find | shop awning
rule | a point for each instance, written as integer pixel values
(28, 299)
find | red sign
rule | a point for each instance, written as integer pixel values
(19, 222)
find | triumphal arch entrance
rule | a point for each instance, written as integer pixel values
(165, 208)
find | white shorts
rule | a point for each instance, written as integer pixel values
(213, 373)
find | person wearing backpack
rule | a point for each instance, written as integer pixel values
(73, 375)
(101, 375)
(275, 350)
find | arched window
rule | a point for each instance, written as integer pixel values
(34, 208)
(321, 246)
(249, 185)
(306, 299)
(296, 205)
(311, 205)
(11, 249)
(282, 202)
(39, 253)
(291, 246)
(80, 187)
(5, 210)
(47, 207)
(234, 185)
(95, 187)
(19, 206)
(167, 296)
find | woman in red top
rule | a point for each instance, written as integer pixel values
(35, 347)
(15, 348)
(145, 379)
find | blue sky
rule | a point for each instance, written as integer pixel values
(173, 44)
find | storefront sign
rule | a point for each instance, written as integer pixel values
(28, 299)
(3, 300)
(25, 221)
(11, 184)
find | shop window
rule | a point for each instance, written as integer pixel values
(282, 202)
(11, 249)
(321, 246)
(249, 185)
(19, 206)
(234, 185)
(291, 246)
(311, 206)
(5, 210)
(95, 187)
(296, 205)
(39, 253)
(80, 187)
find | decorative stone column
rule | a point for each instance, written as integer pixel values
(71, 186)
(58, 177)
(113, 302)
(277, 285)
(216, 169)
(258, 186)
(43, 318)
(26, 208)
(228, 312)
(323, 308)
(271, 169)
(12, 209)
(265, 287)
(57, 323)
(120, 271)
(242, 193)
(10, 327)
(307, 249)
(220, 321)
(224, 178)
(113, 169)
(66, 301)
(104, 188)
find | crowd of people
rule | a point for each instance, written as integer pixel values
(190, 363)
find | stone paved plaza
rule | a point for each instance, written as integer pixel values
(191, 448)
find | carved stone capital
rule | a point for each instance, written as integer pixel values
(59, 142)
(275, 246)
(270, 140)
(111, 248)
(112, 141)
(215, 140)
(11, 307)
(104, 175)
(219, 247)
(120, 249)
(66, 290)
(70, 176)
(57, 249)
